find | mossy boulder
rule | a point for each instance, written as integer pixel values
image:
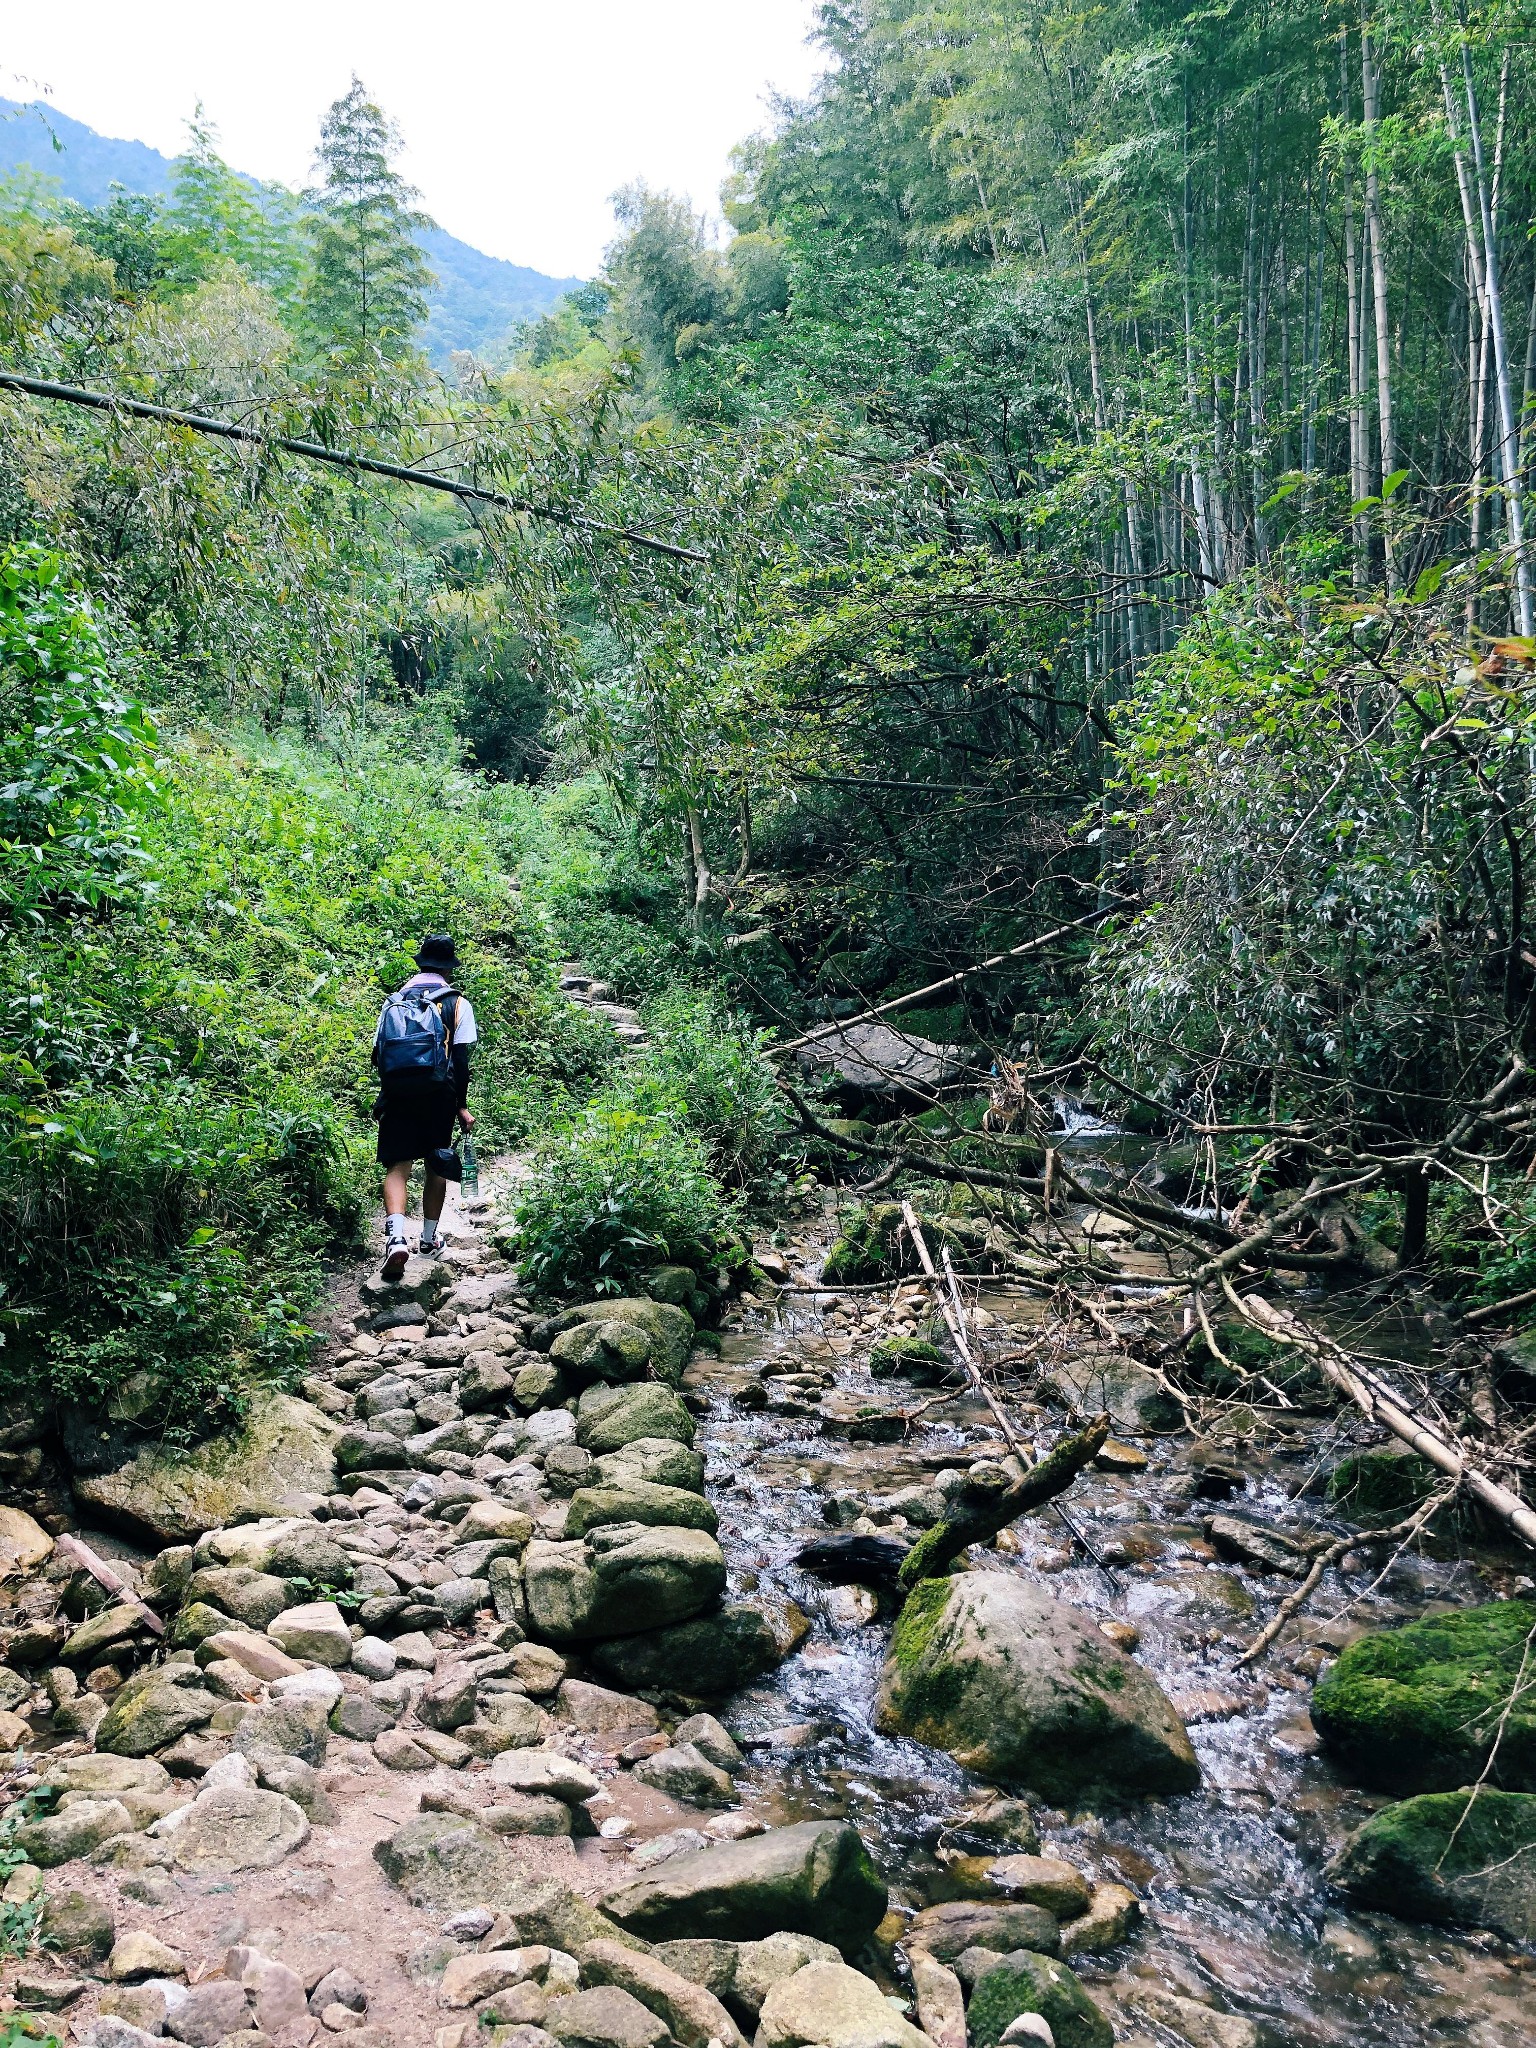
(910, 1358)
(1025, 1691)
(1382, 1484)
(867, 1248)
(658, 1506)
(1024, 1982)
(175, 1496)
(1464, 1859)
(706, 1658)
(1420, 1708)
(608, 1418)
(666, 1331)
(1254, 1354)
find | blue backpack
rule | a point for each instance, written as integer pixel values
(413, 1048)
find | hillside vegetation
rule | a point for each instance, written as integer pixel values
(1092, 480)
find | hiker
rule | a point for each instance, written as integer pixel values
(421, 1051)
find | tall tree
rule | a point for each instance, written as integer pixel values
(367, 292)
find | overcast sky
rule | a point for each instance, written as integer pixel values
(520, 116)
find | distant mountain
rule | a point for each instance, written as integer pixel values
(478, 299)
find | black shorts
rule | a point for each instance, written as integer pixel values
(421, 1124)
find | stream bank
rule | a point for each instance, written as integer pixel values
(401, 1769)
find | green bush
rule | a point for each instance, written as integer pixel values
(615, 1193)
(74, 750)
(708, 1067)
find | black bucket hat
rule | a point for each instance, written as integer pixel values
(436, 951)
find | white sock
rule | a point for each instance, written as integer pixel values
(428, 1231)
(394, 1227)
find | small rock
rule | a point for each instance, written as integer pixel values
(72, 1832)
(830, 2004)
(398, 1751)
(686, 1774)
(315, 1631)
(208, 2013)
(605, 2018)
(227, 1832)
(78, 1925)
(142, 1954)
(468, 1979)
(712, 1739)
(543, 1771)
(449, 1701)
(340, 1987)
(1042, 1881)
(1113, 1914)
(359, 1718)
(372, 1658)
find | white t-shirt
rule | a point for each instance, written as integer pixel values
(466, 1031)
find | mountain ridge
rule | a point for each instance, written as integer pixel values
(476, 302)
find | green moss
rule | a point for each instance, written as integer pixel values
(866, 1250)
(922, 1562)
(1379, 1484)
(926, 1694)
(1467, 1860)
(1025, 1982)
(908, 1358)
(1419, 1708)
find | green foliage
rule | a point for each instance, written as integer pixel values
(614, 1193)
(708, 1068)
(19, 1917)
(74, 751)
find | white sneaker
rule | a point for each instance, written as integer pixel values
(395, 1259)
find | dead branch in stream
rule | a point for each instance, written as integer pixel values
(1364, 1387)
(1335, 1553)
(988, 1502)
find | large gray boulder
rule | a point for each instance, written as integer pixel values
(446, 1864)
(1025, 1691)
(659, 1506)
(813, 1878)
(238, 1828)
(608, 1418)
(154, 1708)
(623, 1579)
(705, 1658)
(653, 1461)
(172, 1496)
(833, 2007)
(622, 1340)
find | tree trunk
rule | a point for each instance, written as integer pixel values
(1370, 83)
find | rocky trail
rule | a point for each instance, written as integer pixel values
(537, 1679)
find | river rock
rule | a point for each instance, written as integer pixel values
(72, 1832)
(1113, 1914)
(595, 1710)
(24, 1543)
(605, 2017)
(686, 1774)
(238, 1828)
(315, 1632)
(208, 2014)
(624, 1580)
(1023, 1982)
(665, 1331)
(155, 1708)
(445, 1863)
(716, 1742)
(1024, 1690)
(252, 1597)
(77, 1925)
(1042, 1881)
(608, 1418)
(653, 1461)
(1419, 1708)
(1458, 1858)
(610, 1350)
(1191, 2021)
(108, 1777)
(831, 2005)
(693, 2014)
(546, 1771)
(1110, 1383)
(297, 1727)
(143, 1954)
(172, 1496)
(815, 1876)
(658, 1506)
(706, 1658)
(947, 1931)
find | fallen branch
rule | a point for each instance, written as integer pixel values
(1293, 1602)
(1336, 1364)
(981, 1510)
(103, 1574)
(934, 988)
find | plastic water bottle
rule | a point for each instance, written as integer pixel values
(471, 1181)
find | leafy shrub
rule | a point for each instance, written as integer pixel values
(74, 750)
(615, 1193)
(708, 1067)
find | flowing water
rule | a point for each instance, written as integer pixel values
(1238, 1912)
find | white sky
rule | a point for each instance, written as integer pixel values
(520, 116)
